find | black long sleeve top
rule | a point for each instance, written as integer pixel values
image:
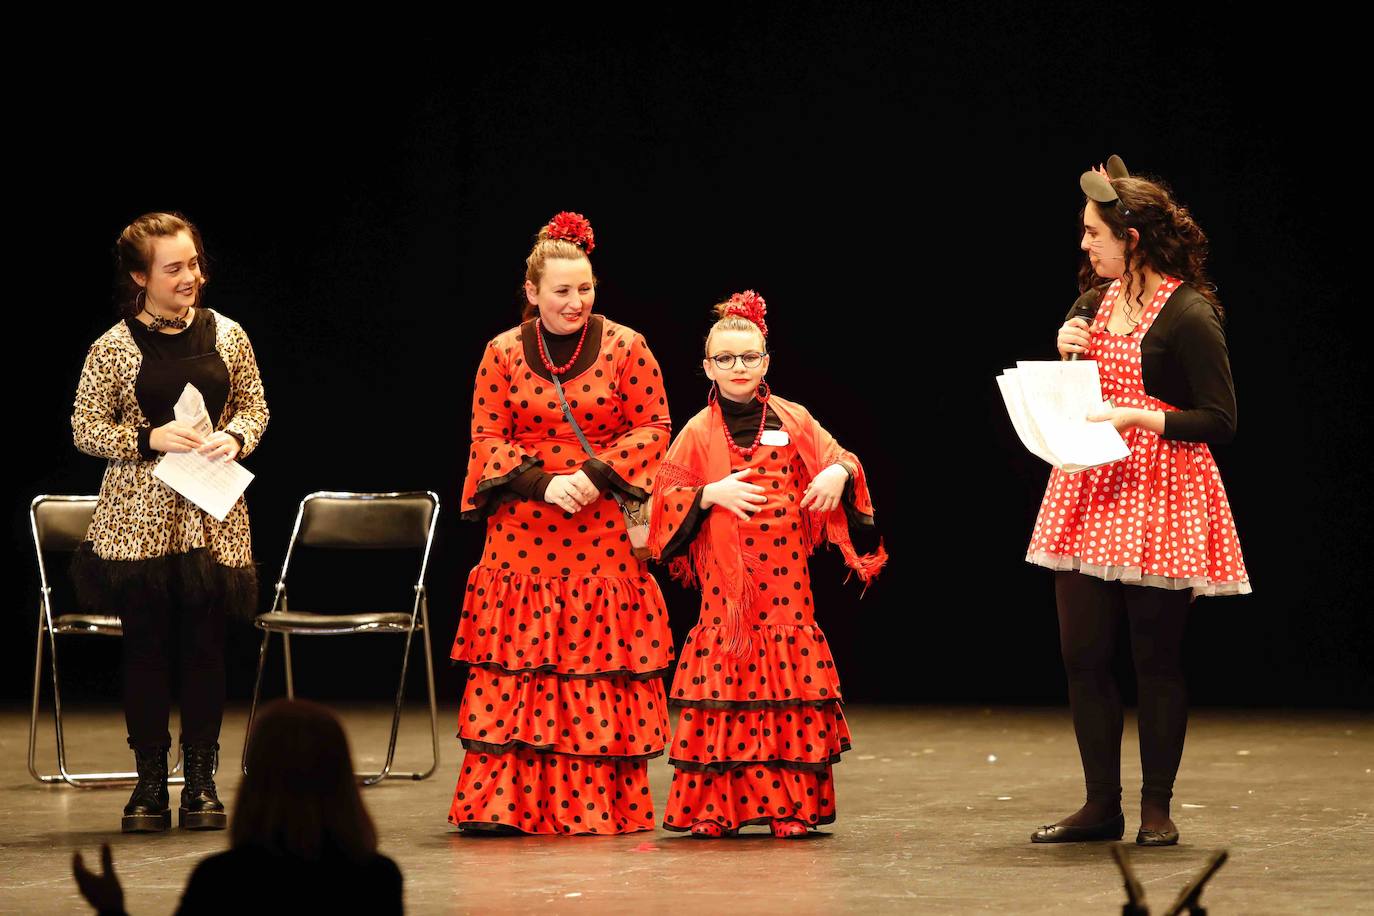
(1184, 362)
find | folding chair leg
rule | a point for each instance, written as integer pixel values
(290, 673)
(257, 691)
(78, 780)
(371, 779)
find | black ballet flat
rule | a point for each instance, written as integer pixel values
(1156, 837)
(1113, 829)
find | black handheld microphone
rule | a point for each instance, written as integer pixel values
(1087, 311)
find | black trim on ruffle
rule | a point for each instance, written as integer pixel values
(483, 747)
(722, 766)
(687, 530)
(193, 579)
(755, 822)
(615, 480)
(549, 669)
(753, 704)
(482, 499)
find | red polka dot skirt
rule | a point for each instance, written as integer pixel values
(756, 735)
(1158, 517)
(565, 702)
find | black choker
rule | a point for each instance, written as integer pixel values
(158, 322)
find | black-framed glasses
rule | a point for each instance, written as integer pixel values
(726, 361)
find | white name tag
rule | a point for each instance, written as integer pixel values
(774, 437)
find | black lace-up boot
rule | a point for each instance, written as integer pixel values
(147, 810)
(201, 808)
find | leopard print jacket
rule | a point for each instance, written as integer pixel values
(138, 517)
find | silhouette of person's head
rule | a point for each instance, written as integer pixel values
(299, 797)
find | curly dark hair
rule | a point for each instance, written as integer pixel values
(1171, 243)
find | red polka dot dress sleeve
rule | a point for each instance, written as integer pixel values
(629, 460)
(564, 631)
(1159, 517)
(497, 456)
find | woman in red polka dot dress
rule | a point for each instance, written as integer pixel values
(1133, 542)
(748, 489)
(563, 626)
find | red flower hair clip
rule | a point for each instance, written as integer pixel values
(572, 227)
(750, 306)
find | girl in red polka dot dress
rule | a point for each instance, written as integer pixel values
(1133, 542)
(563, 626)
(748, 489)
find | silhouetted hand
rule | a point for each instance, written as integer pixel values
(101, 891)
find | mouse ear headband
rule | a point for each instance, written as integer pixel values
(750, 306)
(572, 227)
(1097, 183)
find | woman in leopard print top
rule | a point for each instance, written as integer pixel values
(167, 568)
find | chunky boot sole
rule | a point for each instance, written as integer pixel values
(201, 820)
(146, 823)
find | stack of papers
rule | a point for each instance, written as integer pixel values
(212, 484)
(1049, 403)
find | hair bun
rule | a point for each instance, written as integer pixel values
(748, 305)
(571, 227)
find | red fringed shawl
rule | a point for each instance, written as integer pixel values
(699, 456)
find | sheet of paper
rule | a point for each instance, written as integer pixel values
(1057, 398)
(1029, 435)
(190, 409)
(212, 484)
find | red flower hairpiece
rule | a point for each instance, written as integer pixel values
(750, 306)
(572, 227)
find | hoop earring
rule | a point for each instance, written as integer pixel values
(713, 394)
(139, 298)
(763, 393)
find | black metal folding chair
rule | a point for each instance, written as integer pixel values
(59, 526)
(358, 521)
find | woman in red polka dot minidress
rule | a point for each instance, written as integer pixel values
(1132, 543)
(748, 489)
(563, 626)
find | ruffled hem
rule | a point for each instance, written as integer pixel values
(551, 793)
(485, 501)
(193, 579)
(748, 796)
(592, 717)
(587, 626)
(725, 766)
(721, 740)
(754, 704)
(785, 664)
(482, 747)
(1202, 586)
(548, 670)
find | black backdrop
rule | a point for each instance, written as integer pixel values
(901, 186)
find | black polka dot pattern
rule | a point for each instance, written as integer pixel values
(613, 716)
(566, 631)
(757, 733)
(750, 795)
(553, 793)
(516, 622)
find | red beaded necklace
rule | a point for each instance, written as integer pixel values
(747, 453)
(544, 355)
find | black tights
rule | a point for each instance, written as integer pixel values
(153, 629)
(1091, 612)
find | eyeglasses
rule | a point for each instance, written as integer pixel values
(726, 361)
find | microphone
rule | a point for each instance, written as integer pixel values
(1087, 311)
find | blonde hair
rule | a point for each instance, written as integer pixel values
(726, 322)
(134, 254)
(544, 249)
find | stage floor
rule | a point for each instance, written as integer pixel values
(935, 809)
